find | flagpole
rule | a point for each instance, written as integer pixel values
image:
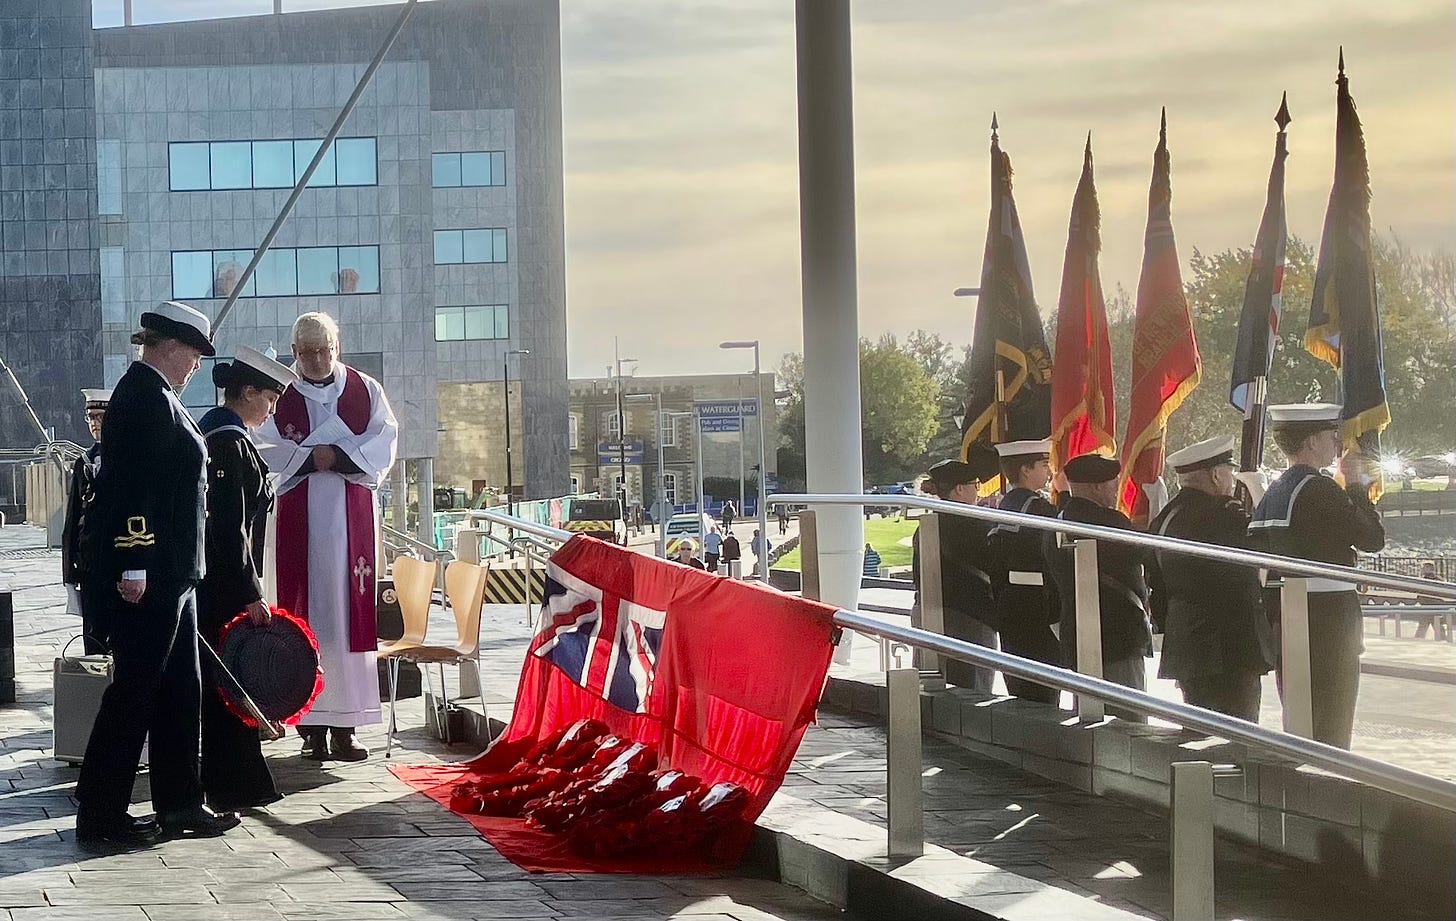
(1251, 447)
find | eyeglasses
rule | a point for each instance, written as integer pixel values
(326, 351)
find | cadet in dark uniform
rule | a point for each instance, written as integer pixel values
(1025, 610)
(92, 596)
(1306, 514)
(1216, 639)
(235, 775)
(966, 597)
(149, 518)
(1126, 635)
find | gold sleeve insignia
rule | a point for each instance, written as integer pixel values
(136, 534)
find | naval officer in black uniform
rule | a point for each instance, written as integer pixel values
(1307, 514)
(235, 775)
(1026, 604)
(1216, 639)
(149, 516)
(91, 596)
(1126, 634)
(965, 581)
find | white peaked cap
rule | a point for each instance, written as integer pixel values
(268, 367)
(96, 395)
(1022, 448)
(1304, 413)
(1211, 452)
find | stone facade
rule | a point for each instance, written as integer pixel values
(594, 406)
(49, 286)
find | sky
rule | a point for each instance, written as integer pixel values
(681, 147)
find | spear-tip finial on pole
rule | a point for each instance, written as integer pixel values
(994, 126)
(1282, 118)
(1087, 153)
(1163, 126)
(1342, 60)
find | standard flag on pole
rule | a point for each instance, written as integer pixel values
(1009, 397)
(1344, 317)
(1083, 412)
(1259, 322)
(1165, 361)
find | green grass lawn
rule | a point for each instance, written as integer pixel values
(884, 534)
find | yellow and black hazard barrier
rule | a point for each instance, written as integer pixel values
(507, 584)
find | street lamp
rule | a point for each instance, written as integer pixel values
(762, 467)
(506, 377)
(642, 398)
(617, 360)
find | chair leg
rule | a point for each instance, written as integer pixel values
(393, 664)
(444, 706)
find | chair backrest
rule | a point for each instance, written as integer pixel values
(414, 583)
(465, 587)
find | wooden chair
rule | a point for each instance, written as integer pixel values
(414, 586)
(465, 591)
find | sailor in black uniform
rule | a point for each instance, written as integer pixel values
(90, 596)
(1216, 639)
(1025, 608)
(235, 775)
(966, 598)
(1307, 514)
(149, 531)
(1126, 635)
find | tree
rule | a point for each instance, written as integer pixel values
(899, 406)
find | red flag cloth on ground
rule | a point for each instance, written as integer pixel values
(1165, 362)
(1084, 416)
(721, 676)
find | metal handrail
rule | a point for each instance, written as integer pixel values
(1402, 781)
(1382, 775)
(401, 537)
(1290, 566)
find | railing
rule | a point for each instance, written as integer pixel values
(1191, 796)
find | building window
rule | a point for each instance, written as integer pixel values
(470, 247)
(456, 324)
(468, 168)
(201, 274)
(612, 423)
(575, 484)
(108, 176)
(574, 431)
(668, 429)
(113, 284)
(202, 165)
(669, 488)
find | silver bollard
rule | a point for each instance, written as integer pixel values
(931, 606)
(1191, 814)
(1089, 625)
(735, 569)
(1294, 657)
(903, 765)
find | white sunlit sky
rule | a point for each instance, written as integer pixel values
(681, 146)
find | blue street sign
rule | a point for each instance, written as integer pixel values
(718, 416)
(612, 452)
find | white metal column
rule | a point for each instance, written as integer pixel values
(831, 308)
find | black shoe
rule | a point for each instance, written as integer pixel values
(197, 822)
(257, 802)
(315, 743)
(123, 832)
(345, 746)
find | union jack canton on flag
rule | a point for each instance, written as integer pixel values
(607, 644)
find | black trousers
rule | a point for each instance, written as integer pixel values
(1031, 641)
(1235, 693)
(98, 601)
(710, 562)
(156, 688)
(1336, 639)
(234, 772)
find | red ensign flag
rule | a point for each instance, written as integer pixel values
(1165, 361)
(1083, 414)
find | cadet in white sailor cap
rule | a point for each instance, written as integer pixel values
(150, 499)
(1025, 598)
(1306, 514)
(87, 595)
(239, 497)
(1216, 644)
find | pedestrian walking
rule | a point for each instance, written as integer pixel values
(712, 548)
(871, 562)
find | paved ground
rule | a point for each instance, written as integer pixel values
(348, 842)
(646, 541)
(1401, 720)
